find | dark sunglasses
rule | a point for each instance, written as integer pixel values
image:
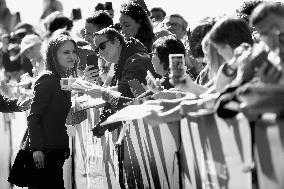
(101, 46)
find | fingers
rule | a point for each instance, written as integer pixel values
(144, 86)
(90, 73)
(269, 73)
(38, 157)
(134, 92)
(90, 70)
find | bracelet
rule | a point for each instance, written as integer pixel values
(228, 71)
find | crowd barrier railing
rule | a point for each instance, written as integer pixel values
(199, 151)
(215, 152)
(269, 153)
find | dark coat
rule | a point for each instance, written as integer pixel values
(8, 105)
(49, 110)
(133, 64)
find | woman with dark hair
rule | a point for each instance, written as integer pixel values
(47, 136)
(136, 23)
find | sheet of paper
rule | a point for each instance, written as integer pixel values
(80, 84)
(132, 112)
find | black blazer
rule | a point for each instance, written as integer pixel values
(8, 104)
(49, 110)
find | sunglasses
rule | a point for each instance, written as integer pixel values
(101, 46)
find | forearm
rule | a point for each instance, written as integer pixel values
(9, 105)
(114, 98)
(197, 89)
(171, 115)
(35, 132)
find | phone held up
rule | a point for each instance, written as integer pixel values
(177, 68)
(92, 60)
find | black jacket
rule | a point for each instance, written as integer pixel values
(133, 63)
(49, 110)
(8, 105)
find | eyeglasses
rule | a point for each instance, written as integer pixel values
(174, 25)
(101, 46)
(156, 17)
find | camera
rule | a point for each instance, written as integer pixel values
(66, 83)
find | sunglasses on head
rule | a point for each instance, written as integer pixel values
(101, 46)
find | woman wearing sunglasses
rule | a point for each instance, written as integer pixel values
(131, 61)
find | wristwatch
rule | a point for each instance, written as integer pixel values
(228, 71)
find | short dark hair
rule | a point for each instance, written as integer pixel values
(60, 22)
(264, 9)
(247, 7)
(231, 30)
(99, 6)
(111, 34)
(100, 18)
(197, 35)
(168, 45)
(158, 9)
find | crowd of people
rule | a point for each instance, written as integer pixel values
(218, 57)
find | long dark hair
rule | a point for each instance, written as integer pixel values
(51, 60)
(145, 33)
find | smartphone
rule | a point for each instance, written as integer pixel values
(92, 60)
(177, 68)
(136, 85)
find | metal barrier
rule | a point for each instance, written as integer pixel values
(200, 151)
(215, 153)
(269, 153)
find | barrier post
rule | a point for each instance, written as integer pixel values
(269, 153)
(215, 152)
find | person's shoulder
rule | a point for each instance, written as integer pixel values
(140, 58)
(45, 77)
(135, 45)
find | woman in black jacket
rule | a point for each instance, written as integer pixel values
(48, 138)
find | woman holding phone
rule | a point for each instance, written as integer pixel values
(47, 136)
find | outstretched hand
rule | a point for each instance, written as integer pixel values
(25, 104)
(90, 74)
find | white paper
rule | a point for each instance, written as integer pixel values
(80, 84)
(132, 112)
